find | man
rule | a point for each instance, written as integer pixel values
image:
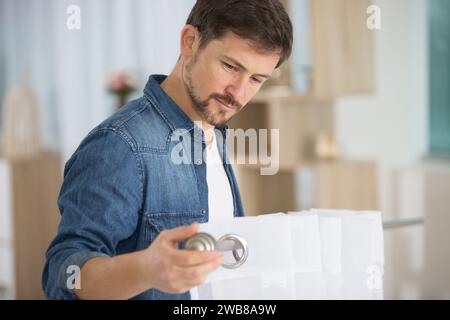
(127, 201)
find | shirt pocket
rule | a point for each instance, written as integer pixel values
(154, 223)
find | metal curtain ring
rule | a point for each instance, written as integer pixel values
(237, 243)
(201, 241)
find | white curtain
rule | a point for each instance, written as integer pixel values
(317, 254)
(68, 66)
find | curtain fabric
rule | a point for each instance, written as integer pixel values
(317, 254)
(67, 66)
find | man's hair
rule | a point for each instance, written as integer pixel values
(264, 22)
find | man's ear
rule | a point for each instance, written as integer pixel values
(189, 41)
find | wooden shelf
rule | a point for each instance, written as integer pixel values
(333, 52)
(284, 94)
(338, 184)
(34, 215)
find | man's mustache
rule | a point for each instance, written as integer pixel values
(227, 99)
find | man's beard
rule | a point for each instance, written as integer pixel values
(216, 119)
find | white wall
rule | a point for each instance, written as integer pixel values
(391, 126)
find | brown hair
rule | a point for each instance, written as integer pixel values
(264, 22)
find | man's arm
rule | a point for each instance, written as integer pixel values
(100, 201)
(161, 266)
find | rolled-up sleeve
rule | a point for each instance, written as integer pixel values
(100, 203)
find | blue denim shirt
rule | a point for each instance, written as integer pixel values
(122, 187)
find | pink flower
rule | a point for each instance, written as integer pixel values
(121, 82)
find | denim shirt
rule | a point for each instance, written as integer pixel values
(139, 172)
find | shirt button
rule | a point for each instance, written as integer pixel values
(202, 212)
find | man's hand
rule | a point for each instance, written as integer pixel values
(162, 266)
(174, 271)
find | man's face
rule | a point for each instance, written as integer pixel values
(222, 77)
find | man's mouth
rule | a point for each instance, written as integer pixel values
(226, 106)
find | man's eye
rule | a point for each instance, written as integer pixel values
(256, 80)
(229, 66)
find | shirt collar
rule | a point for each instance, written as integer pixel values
(169, 110)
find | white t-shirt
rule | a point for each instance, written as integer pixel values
(220, 198)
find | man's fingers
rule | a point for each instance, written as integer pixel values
(198, 273)
(179, 233)
(187, 258)
(195, 276)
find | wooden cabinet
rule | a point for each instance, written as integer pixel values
(338, 184)
(303, 180)
(30, 216)
(299, 120)
(342, 48)
(333, 53)
(346, 184)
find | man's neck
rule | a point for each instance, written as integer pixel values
(175, 88)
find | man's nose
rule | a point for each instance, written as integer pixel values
(237, 89)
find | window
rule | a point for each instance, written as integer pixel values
(439, 76)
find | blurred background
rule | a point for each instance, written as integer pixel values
(363, 109)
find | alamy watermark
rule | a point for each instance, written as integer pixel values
(74, 279)
(375, 277)
(374, 20)
(73, 21)
(238, 141)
